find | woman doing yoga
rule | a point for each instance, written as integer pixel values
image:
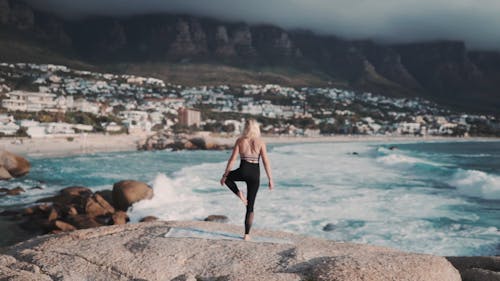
(250, 147)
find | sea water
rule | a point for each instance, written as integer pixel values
(430, 197)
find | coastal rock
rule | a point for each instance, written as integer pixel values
(217, 218)
(75, 191)
(82, 221)
(63, 226)
(382, 267)
(107, 195)
(141, 251)
(97, 206)
(477, 268)
(12, 165)
(127, 192)
(329, 227)
(148, 219)
(119, 218)
(15, 191)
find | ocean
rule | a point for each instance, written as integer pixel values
(429, 197)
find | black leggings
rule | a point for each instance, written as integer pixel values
(249, 173)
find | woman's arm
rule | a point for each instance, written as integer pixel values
(267, 165)
(234, 155)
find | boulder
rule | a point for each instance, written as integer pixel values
(83, 221)
(198, 143)
(75, 191)
(119, 217)
(63, 226)
(97, 206)
(329, 227)
(217, 218)
(16, 191)
(127, 192)
(107, 195)
(4, 174)
(148, 219)
(53, 215)
(13, 165)
(477, 268)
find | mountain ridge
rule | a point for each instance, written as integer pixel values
(444, 71)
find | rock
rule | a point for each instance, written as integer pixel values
(8, 213)
(36, 187)
(119, 217)
(107, 195)
(198, 143)
(189, 145)
(64, 226)
(15, 191)
(97, 206)
(53, 215)
(4, 174)
(75, 191)
(107, 253)
(127, 192)
(329, 227)
(217, 218)
(148, 219)
(477, 268)
(83, 221)
(384, 266)
(15, 165)
(478, 274)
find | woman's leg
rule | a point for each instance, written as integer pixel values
(233, 176)
(252, 187)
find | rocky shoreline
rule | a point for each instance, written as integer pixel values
(144, 251)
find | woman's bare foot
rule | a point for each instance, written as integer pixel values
(242, 197)
(246, 237)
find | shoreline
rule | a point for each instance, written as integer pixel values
(100, 143)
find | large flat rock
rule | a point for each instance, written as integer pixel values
(209, 251)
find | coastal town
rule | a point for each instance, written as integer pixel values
(43, 100)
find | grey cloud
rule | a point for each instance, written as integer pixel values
(477, 22)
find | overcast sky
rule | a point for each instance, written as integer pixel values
(477, 22)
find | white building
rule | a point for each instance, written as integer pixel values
(83, 105)
(29, 101)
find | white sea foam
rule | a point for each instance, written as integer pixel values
(374, 196)
(398, 159)
(477, 184)
(172, 200)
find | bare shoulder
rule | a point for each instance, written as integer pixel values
(260, 143)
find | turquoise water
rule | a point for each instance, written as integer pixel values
(436, 197)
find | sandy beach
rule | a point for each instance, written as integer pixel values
(63, 146)
(95, 143)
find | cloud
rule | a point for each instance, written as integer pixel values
(477, 22)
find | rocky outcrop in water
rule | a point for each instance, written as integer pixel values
(165, 140)
(77, 207)
(12, 165)
(127, 192)
(142, 252)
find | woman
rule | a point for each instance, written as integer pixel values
(250, 148)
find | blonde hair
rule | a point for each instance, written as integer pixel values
(251, 129)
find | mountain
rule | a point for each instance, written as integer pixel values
(197, 50)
